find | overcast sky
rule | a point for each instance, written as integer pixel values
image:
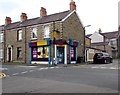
(97, 13)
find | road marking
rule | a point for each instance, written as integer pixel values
(52, 67)
(103, 67)
(113, 68)
(95, 67)
(15, 74)
(3, 68)
(2, 75)
(24, 72)
(31, 70)
(56, 67)
(46, 68)
(27, 66)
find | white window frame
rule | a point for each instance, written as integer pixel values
(1, 53)
(1, 37)
(46, 31)
(19, 52)
(34, 33)
(19, 34)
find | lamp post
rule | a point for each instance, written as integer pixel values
(84, 40)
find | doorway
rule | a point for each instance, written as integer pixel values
(9, 54)
(60, 55)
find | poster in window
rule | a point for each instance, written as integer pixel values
(40, 52)
(34, 53)
(45, 52)
(72, 52)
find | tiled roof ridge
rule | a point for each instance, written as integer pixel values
(38, 17)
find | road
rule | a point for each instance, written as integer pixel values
(92, 78)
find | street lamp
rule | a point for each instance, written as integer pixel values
(84, 41)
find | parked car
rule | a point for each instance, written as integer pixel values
(102, 58)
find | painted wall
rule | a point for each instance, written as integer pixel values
(96, 37)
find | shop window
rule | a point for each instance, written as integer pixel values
(19, 35)
(34, 33)
(19, 52)
(46, 32)
(72, 53)
(39, 53)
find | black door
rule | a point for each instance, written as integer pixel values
(9, 54)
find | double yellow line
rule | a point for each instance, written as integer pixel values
(2, 75)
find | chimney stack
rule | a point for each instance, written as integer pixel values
(100, 31)
(72, 6)
(23, 17)
(43, 12)
(7, 20)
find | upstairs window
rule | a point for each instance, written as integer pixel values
(46, 32)
(19, 35)
(1, 53)
(34, 33)
(1, 37)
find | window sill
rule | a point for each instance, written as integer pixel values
(33, 38)
(19, 40)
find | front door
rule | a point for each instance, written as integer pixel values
(60, 55)
(9, 54)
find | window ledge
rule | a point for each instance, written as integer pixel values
(33, 38)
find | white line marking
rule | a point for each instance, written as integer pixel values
(56, 67)
(31, 70)
(3, 68)
(94, 67)
(24, 72)
(113, 68)
(52, 67)
(15, 74)
(46, 68)
(103, 67)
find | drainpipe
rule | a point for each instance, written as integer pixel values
(25, 45)
(4, 44)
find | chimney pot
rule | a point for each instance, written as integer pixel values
(43, 12)
(7, 20)
(72, 6)
(23, 17)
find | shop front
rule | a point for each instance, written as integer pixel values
(40, 52)
(64, 52)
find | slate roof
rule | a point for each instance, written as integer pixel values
(1, 27)
(110, 35)
(88, 35)
(100, 43)
(39, 20)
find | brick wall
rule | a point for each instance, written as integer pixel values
(72, 28)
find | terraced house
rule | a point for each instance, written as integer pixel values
(1, 43)
(58, 38)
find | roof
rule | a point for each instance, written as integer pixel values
(109, 35)
(88, 35)
(94, 48)
(39, 20)
(100, 43)
(1, 27)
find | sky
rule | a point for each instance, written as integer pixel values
(97, 13)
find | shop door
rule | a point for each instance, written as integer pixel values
(60, 55)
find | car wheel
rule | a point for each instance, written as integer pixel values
(105, 61)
